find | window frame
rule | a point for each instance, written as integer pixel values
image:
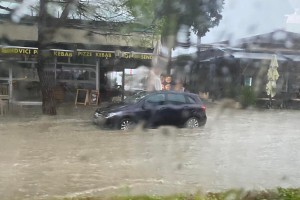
(179, 102)
(163, 102)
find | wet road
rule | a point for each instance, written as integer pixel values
(51, 157)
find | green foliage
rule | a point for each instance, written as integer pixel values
(142, 10)
(166, 16)
(231, 91)
(289, 194)
(198, 14)
(145, 20)
(247, 97)
(279, 194)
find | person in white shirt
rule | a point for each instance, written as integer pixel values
(154, 81)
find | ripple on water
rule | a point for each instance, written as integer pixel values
(71, 156)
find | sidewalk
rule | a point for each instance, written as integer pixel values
(80, 112)
(64, 111)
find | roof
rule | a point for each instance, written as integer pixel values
(277, 39)
(285, 44)
(77, 32)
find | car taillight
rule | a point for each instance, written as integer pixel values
(203, 107)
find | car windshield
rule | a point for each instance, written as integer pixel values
(136, 97)
(109, 98)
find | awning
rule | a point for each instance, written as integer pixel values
(17, 50)
(266, 56)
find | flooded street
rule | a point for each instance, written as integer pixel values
(67, 156)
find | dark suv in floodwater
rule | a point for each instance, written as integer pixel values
(154, 109)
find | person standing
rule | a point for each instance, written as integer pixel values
(154, 81)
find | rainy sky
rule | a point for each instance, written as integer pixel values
(242, 18)
(245, 18)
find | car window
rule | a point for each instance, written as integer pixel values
(190, 100)
(136, 97)
(176, 99)
(156, 99)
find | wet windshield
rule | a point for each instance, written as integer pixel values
(68, 66)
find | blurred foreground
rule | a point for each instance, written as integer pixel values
(46, 157)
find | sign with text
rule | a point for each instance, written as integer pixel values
(79, 53)
(61, 53)
(94, 97)
(18, 50)
(104, 54)
(82, 96)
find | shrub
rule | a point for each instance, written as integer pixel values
(247, 97)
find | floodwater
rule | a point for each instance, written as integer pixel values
(67, 156)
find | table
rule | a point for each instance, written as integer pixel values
(4, 104)
(4, 97)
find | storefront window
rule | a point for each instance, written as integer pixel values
(248, 81)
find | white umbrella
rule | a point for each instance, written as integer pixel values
(273, 76)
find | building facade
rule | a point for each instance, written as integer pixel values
(81, 54)
(225, 67)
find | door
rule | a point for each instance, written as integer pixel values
(153, 110)
(177, 108)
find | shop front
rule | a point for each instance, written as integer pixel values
(71, 70)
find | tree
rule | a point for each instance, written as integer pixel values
(200, 15)
(48, 24)
(168, 17)
(162, 17)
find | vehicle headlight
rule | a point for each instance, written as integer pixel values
(108, 115)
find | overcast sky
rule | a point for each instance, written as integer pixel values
(242, 18)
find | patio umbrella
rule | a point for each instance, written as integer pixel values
(273, 76)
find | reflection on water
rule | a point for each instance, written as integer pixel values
(43, 157)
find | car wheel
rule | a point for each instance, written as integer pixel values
(127, 124)
(192, 123)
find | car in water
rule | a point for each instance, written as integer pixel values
(154, 109)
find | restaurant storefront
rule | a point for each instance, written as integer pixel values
(71, 69)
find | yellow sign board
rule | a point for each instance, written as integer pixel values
(85, 53)
(137, 56)
(62, 53)
(104, 54)
(25, 51)
(69, 53)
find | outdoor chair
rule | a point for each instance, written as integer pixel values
(3, 89)
(3, 107)
(3, 99)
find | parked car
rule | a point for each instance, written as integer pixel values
(154, 109)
